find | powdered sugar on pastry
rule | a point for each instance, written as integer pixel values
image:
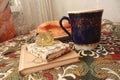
(45, 51)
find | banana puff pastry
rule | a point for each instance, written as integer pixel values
(48, 53)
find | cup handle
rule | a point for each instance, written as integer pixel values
(61, 25)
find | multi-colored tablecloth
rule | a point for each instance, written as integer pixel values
(101, 63)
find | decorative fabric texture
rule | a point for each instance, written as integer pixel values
(90, 67)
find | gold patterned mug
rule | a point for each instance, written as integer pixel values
(86, 26)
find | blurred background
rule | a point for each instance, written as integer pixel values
(28, 14)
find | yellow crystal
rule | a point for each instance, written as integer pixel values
(45, 39)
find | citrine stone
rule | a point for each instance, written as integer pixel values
(44, 39)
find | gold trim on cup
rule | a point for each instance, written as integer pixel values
(85, 11)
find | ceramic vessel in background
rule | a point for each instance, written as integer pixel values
(86, 28)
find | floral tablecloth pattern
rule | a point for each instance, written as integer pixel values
(102, 63)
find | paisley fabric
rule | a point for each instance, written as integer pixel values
(101, 63)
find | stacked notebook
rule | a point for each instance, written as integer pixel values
(28, 61)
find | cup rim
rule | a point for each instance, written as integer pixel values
(86, 11)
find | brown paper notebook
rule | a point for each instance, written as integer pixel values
(27, 65)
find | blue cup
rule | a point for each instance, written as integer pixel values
(85, 26)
